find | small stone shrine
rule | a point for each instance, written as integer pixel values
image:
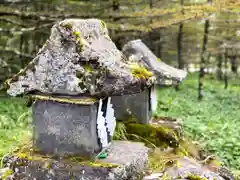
(71, 80)
(141, 105)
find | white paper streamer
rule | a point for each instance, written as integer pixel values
(110, 118)
(153, 97)
(101, 128)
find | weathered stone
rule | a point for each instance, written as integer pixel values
(154, 176)
(141, 105)
(125, 161)
(187, 168)
(137, 106)
(65, 129)
(79, 58)
(137, 51)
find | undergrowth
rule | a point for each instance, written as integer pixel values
(15, 123)
(214, 121)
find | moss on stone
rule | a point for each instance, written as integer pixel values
(159, 160)
(157, 135)
(195, 177)
(82, 100)
(79, 40)
(6, 174)
(103, 24)
(27, 154)
(140, 71)
(67, 26)
(88, 68)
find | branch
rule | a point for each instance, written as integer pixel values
(12, 22)
(15, 51)
(23, 30)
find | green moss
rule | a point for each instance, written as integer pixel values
(67, 26)
(88, 68)
(103, 24)
(195, 177)
(6, 174)
(140, 71)
(79, 40)
(27, 154)
(157, 135)
(158, 59)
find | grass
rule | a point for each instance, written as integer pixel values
(14, 123)
(214, 121)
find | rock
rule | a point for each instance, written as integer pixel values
(185, 168)
(171, 123)
(125, 161)
(3, 172)
(142, 104)
(64, 129)
(138, 52)
(154, 176)
(79, 58)
(136, 106)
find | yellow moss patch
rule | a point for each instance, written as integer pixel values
(26, 152)
(88, 68)
(81, 42)
(159, 160)
(83, 101)
(6, 174)
(140, 71)
(195, 177)
(103, 24)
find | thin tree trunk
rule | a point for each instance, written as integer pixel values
(219, 67)
(179, 47)
(179, 50)
(115, 5)
(159, 50)
(234, 63)
(202, 63)
(151, 4)
(225, 72)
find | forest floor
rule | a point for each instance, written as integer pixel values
(214, 122)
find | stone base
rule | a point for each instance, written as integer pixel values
(65, 129)
(125, 161)
(135, 105)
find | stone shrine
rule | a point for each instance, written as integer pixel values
(71, 80)
(141, 105)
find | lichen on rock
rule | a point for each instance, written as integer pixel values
(80, 59)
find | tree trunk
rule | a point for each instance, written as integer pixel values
(179, 47)
(115, 5)
(225, 72)
(234, 66)
(202, 63)
(179, 50)
(151, 4)
(219, 67)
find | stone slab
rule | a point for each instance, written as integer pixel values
(135, 105)
(65, 129)
(129, 160)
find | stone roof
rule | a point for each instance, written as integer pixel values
(138, 52)
(79, 58)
